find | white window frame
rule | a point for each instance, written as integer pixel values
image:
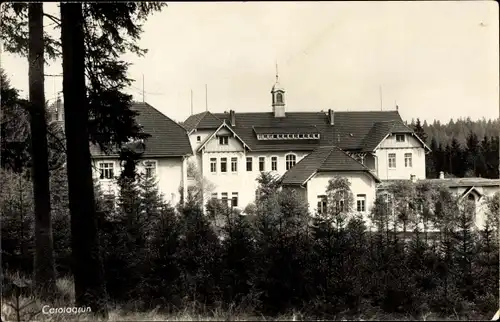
(214, 196)
(389, 157)
(408, 160)
(102, 169)
(321, 204)
(288, 163)
(223, 161)
(263, 159)
(400, 136)
(224, 140)
(279, 98)
(274, 163)
(146, 167)
(361, 202)
(234, 162)
(213, 165)
(234, 196)
(249, 160)
(224, 196)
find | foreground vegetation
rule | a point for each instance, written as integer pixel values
(277, 260)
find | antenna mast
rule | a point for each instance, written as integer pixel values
(191, 102)
(143, 92)
(380, 93)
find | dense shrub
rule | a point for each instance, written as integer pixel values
(278, 257)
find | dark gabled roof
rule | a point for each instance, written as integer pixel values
(204, 120)
(168, 138)
(312, 129)
(380, 130)
(323, 159)
(348, 132)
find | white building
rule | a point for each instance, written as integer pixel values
(231, 149)
(164, 153)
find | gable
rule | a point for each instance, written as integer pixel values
(322, 160)
(410, 141)
(224, 130)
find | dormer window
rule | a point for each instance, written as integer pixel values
(223, 140)
(400, 137)
(301, 136)
(275, 136)
(289, 136)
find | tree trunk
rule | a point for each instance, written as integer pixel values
(87, 265)
(44, 252)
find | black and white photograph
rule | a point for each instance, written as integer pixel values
(250, 161)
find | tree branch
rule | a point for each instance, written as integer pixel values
(56, 20)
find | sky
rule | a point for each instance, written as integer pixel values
(434, 60)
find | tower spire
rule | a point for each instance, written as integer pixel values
(276, 70)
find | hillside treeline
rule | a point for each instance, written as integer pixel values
(461, 148)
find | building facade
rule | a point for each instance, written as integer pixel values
(163, 155)
(231, 149)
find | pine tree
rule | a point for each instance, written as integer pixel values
(330, 243)
(456, 158)
(239, 253)
(472, 152)
(465, 248)
(419, 131)
(199, 256)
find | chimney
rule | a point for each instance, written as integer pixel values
(232, 117)
(441, 175)
(331, 116)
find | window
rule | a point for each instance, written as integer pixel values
(198, 138)
(106, 170)
(223, 164)
(400, 137)
(223, 140)
(274, 164)
(214, 196)
(234, 164)
(321, 204)
(150, 168)
(408, 163)
(224, 197)
(279, 98)
(339, 204)
(392, 160)
(249, 163)
(275, 136)
(361, 203)
(234, 199)
(257, 194)
(290, 159)
(262, 163)
(213, 165)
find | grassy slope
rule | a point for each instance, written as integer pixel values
(32, 312)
